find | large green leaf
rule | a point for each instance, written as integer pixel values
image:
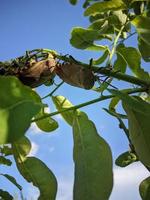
(62, 103)
(84, 39)
(93, 161)
(142, 25)
(5, 195)
(12, 180)
(34, 170)
(144, 189)
(18, 104)
(47, 124)
(139, 129)
(133, 58)
(105, 6)
(126, 159)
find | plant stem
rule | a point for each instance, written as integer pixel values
(86, 104)
(51, 93)
(114, 46)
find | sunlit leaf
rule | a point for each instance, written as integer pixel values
(93, 161)
(12, 180)
(5, 161)
(142, 25)
(139, 127)
(5, 195)
(6, 150)
(126, 159)
(144, 189)
(101, 59)
(21, 148)
(84, 39)
(62, 103)
(35, 171)
(133, 58)
(47, 124)
(18, 104)
(105, 6)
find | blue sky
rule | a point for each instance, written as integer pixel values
(30, 24)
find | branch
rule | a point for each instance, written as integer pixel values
(86, 104)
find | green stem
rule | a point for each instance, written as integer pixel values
(51, 93)
(86, 104)
(114, 46)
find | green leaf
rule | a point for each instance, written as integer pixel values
(142, 25)
(126, 159)
(93, 161)
(137, 104)
(73, 2)
(6, 150)
(144, 49)
(144, 189)
(35, 171)
(18, 104)
(5, 195)
(120, 63)
(113, 103)
(139, 128)
(5, 161)
(133, 58)
(12, 180)
(84, 39)
(62, 103)
(47, 124)
(22, 148)
(103, 85)
(99, 7)
(102, 58)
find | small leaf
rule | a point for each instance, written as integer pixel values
(35, 171)
(12, 180)
(22, 148)
(62, 103)
(144, 189)
(18, 104)
(113, 103)
(93, 161)
(5, 161)
(102, 58)
(73, 2)
(47, 124)
(126, 159)
(5, 195)
(6, 150)
(142, 25)
(99, 7)
(84, 39)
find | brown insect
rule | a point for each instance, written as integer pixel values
(37, 73)
(76, 75)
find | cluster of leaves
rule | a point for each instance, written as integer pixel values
(112, 21)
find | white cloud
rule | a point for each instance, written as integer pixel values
(127, 180)
(65, 186)
(34, 149)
